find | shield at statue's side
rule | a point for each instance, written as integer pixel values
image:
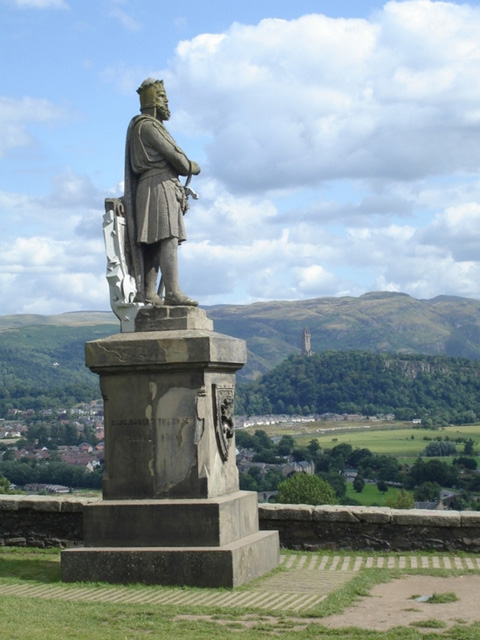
(223, 414)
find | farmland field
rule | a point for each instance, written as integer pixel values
(370, 496)
(398, 442)
(399, 439)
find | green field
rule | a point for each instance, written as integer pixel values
(391, 441)
(370, 496)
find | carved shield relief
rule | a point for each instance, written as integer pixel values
(223, 414)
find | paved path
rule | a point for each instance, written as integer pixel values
(306, 580)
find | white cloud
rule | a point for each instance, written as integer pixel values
(353, 213)
(44, 275)
(73, 207)
(16, 115)
(41, 4)
(430, 276)
(26, 253)
(456, 231)
(315, 281)
(227, 218)
(52, 255)
(292, 103)
(73, 190)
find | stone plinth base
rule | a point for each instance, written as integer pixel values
(227, 566)
(171, 523)
(211, 542)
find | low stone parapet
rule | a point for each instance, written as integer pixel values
(41, 521)
(371, 528)
(44, 521)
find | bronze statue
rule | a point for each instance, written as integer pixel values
(155, 201)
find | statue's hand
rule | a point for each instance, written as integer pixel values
(195, 168)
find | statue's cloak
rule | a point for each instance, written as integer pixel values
(133, 252)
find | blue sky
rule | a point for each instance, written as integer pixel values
(339, 143)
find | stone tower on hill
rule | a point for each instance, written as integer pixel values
(306, 342)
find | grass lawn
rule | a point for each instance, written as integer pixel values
(25, 617)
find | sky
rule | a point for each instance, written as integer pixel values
(339, 142)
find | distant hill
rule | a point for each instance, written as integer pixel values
(378, 322)
(45, 354)
(70, 319)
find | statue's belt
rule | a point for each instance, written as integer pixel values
(163, 174)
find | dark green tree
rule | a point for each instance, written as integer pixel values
(314, 448)
(286, 446)
(382, 486)
(427, 492)
(468, 448)
(245, 440)
(303, 488)
(264, 441)
(358, 484)
(467, 463)
(247, 482)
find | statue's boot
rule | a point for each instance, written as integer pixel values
(180, 299)
(169, 266)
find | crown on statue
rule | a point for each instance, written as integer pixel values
(148, 92)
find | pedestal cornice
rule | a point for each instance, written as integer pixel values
(162, 349)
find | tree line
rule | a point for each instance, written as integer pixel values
(27, 471)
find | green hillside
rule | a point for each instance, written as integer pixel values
(43, 366)
(438, 388)
(71, 319)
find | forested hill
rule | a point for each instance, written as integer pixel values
(437, 388)
(43, 366)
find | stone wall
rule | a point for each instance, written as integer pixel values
(372, 528)
(41, 521)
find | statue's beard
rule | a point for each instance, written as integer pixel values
(163, 113)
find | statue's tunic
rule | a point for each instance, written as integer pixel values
(156, 162)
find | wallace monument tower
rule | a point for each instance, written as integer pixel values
(172, 512)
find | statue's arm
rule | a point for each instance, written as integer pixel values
(159, 139)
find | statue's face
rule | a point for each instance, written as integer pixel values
(161, 103)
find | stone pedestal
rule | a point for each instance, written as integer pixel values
(171, 511)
